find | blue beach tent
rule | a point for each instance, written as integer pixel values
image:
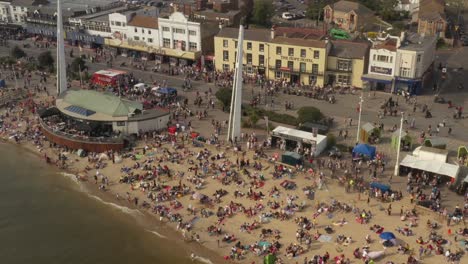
(364, 149)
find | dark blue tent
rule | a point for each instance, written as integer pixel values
(387, 236)
(382, 187)
(2, 83)
(364, 149)
(167, 90)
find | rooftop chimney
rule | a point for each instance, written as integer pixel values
(272, 32)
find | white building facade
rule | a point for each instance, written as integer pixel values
(381, 69)
(175, 39)
(5, 12)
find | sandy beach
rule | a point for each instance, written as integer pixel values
(243, 218)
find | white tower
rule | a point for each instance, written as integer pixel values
(61, 66)
(236, 99)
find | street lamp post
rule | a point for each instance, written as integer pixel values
(361, 100)
(397, 163)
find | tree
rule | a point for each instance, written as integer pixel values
(263, 11)
(46, 61)
(309, 114)
(253, 118)
(224, 96)
(246, 9)
(387, 10)
(77, 66)
(17, 52)
(315, 9)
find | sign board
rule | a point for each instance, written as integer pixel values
(381, 70)
(444, 70)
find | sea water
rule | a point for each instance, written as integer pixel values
(47, 218)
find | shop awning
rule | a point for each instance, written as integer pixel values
(377, 78)
(433, 166)
(407, 80)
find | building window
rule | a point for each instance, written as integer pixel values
(112, 23)
(418, 58)
(136, 30)
(143, 30)
(261, 60)
(150, 40)
(278, 50)
(249, 45)
(344, 79)
(178, 30)
(343, 65)
(261, 47)
(405, 72)
(166, 43)
(149, 32)
(278, 64)
(192, 46)
(249, 58)
(291, 65)
(225, 55)
(123, 24)
(192, 32)
(315, 68)
(235, 44)
(167, 29)
(316, 54)
(136, 38)
(302, 67)
(303, 53)
(312, 79)
(290, 51)
(120, 123)
(383, 58)
(225, 43)
(225, 67)
(278, 75)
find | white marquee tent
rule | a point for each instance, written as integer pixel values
(431, 165)
(320, 141)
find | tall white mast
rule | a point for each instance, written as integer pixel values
(236, 99)
(61, 66)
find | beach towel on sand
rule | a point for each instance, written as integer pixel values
(325, 238)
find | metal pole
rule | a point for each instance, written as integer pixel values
(360, 113)
(397, 163)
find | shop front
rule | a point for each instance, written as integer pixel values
(378, 82)
(139, 49)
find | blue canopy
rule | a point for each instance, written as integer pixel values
(380, 186)
(387, 236)
(167, 90)
(364, 149)
(2, 83)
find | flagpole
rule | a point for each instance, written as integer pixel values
(397, 163)
(361, 100)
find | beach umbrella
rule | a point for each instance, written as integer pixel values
(387, 236)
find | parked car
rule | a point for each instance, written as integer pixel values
(334, 152)
(287, 16)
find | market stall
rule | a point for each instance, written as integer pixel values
(430, 165)
(406, 140)
(462, 156)
(369, 133)
(364, 151)
(435, 142)
(291, 158)
(291, 139)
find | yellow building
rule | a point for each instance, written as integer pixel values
(293, 54)
(346, 63)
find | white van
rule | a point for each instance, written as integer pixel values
(287, 16)
(140, 87)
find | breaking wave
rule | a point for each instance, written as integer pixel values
(156, 233)
(202, 259)
(118, 207)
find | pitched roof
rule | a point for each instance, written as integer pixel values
(348, 6)
(104, 103)
(261, 35)
(388, 44)
(299, 42)
(305, 33)
(349, 49)
(431, 9)
(144, 21)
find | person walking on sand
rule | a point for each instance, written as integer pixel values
(389, 209)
